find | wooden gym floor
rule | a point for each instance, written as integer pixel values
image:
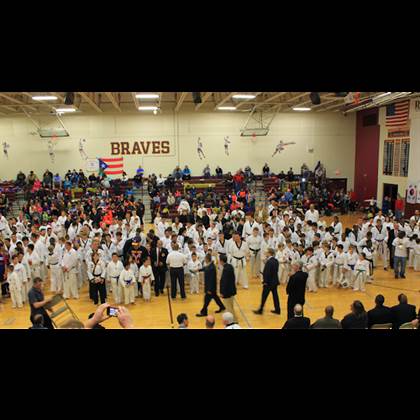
(155, 314)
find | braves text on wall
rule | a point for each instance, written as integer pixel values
(158, 147)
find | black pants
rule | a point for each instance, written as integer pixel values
(177, 275)
(98, 289)
(159, 280)
(391, 256)
(290, 308)
(5, 289)
(266, 291)
(47, 320)
(208, 298)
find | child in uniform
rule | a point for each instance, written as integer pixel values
(194, 266)
(128, 284)
(361, 270)
(146, 277)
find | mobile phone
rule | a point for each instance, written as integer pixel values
(111, 311)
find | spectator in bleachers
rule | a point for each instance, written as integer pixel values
(219, 172)
(177, 173)
(207, 172)
(20, 179)
(266, 170)
(290, 175)
(57, 181)
(32, 178)
(186, 173)
(238, 180)
(160, 180)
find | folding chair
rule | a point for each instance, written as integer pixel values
(61, 311)
(381, 326)
(407, 326)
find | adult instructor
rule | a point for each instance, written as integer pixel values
(38, 302)
(270, 283)
(227, 284)
(296, 288)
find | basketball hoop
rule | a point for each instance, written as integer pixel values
(54, 139)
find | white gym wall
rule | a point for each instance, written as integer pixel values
(331, 135)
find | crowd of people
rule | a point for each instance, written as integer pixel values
(100, 239)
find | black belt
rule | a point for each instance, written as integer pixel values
(54, 264)
(240, 259)
(176, 268)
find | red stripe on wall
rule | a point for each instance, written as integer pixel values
(106, 160)
(115, 166)
(367, 157)
(113, 172)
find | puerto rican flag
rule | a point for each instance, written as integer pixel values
(111, 166)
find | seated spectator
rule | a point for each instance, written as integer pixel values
(170, 199)
(140, 172)
(238, 180)
(380, 314)
(298, 322)
(403, 312)
(32, 178)
(182, 320)
(357, 318)
(229, 322)
(177, 173)
(207, 172)
(210, 322)
(38, 322)
(186, 173)
(219, 172)
(266, 170)
(160, 180)
(328, 322)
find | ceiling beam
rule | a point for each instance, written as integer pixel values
(111, 97)
(16, 101)
(160, 99)
(203, 99)
(90, 101)
(225, 99)
(247, 101)
(136, 101)
(180, 100)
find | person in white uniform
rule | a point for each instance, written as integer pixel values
(361, 271)
(239, 254)
(312, 214)
(69, 266)
(310, 264)
(113, 271)
(15, 287)
(194, 266)
(380, 237)
(128, 284)
(56, 273)
(146, 277)
(254, 245)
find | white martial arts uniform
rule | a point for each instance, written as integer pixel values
(310, 264)
(416, 257)
(326, 261)
(361, 271)
(193, 271)
(351, 260)
(35, 264)
(15, 288)
(69, 262)
(282, 258)
(146, 277)
(380, 237)
(128, 284)
(254, 246)
(56, 273)
(113, 272)
(339, 263)
(238, 255)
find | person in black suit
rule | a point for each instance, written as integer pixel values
(357, 318)
(380, 314)
(158, 257)
(392, 234)
(298, 322)
(296, 288)
(403, 312)
(227, 285)
(270, 283)
(210, 286)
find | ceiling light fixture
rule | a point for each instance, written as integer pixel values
(61, 110)
(243, 96)
(226, 108)
(301, 109)
(44, 98)
(147, 96)
(148, 108)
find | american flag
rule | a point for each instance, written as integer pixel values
(111, 166)
(397, 114)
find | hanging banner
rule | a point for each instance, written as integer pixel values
(412, 193)
(418, 192)
(92, 165)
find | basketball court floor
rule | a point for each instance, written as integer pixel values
(155, 314)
